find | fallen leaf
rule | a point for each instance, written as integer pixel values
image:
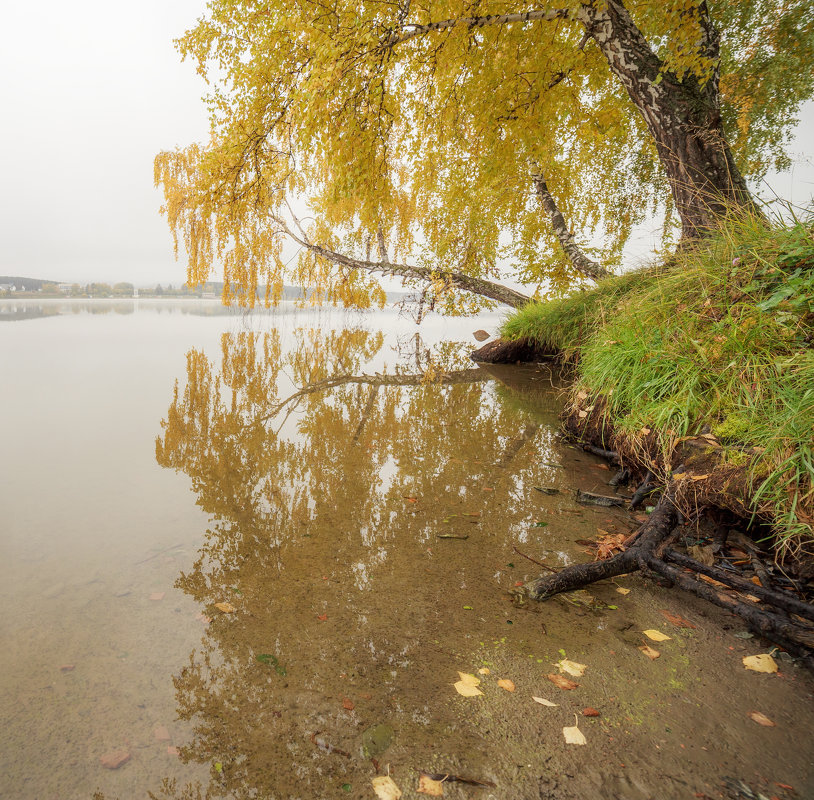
(650, 652)
(572, 668)
(582, 414)
(172, 751)
(645, 431)
(386, 788)
(573, 735)
(161, 733)
(483, 671)
(699, 477)
(762, 719)
(226, 608)
(505, 683)
(410, 499)
(677, 476)
(347, 704)
(678, 621)
(488, 489)
(622, 591)
(426, 785)
(67, 668)
(760, 663)
(466, 689)
(157, 595)
(582, 395)
(590, 712)
(784, 786)
(322, 617)
(756, 580)
(481, 336)
(656, 636)
(543, 702)
(471, 680)
(562, 682)
(114, 759)
(702, 553)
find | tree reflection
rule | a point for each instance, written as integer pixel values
(327, 487)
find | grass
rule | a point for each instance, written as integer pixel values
(717, 339)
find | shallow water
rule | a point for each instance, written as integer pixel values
(361, 502)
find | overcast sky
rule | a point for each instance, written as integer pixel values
(92, 90)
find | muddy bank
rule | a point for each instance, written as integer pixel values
(701, 537)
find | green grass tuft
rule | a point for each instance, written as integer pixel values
(718, 339)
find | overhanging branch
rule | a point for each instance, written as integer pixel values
(581, 262)
(415, 30)
(452, 278)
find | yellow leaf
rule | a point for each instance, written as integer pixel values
(650, 652)
(226, 608)
(482, 671)
(466, 689)
(582, 414)
(505, 683)
(572, 668)
(470, 680)
(543, 702)
(646, 431)
(762, 719)
(699, 477)
(385, 788)
(656, 636)
(677, 476)
(426, 785)
(760, 663)
(622, 591)
(573, 735)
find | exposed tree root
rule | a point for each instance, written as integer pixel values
(650, 550)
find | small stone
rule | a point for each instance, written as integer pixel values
(115, 759)
(161, 733)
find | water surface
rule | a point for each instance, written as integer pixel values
(362, 499)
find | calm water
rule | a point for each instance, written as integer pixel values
(361, 500)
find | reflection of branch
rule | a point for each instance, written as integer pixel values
(371, 401)
(516, 445)
(475, 375)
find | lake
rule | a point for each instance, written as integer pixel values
(248, 555)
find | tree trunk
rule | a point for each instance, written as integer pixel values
(683, 116)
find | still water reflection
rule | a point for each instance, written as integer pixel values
(328, 454)
(360, 545)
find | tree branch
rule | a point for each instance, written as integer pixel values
(479, 286)
(415, 30)
(581, 262)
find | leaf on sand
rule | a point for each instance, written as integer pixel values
(571, 667)
(762, 719)
(590, 712)
(543, 702)
(562, 681)
(505, 683)
(426, 785)
(650, 652)
(386, 788)
(656, 636)
(760, 663)
(347, 704)
(483, 671)
(468, 685)
(226, 608)
(622, 591)
(678, 621)
(573, 735)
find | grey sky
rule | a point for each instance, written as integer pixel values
(92, 90)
